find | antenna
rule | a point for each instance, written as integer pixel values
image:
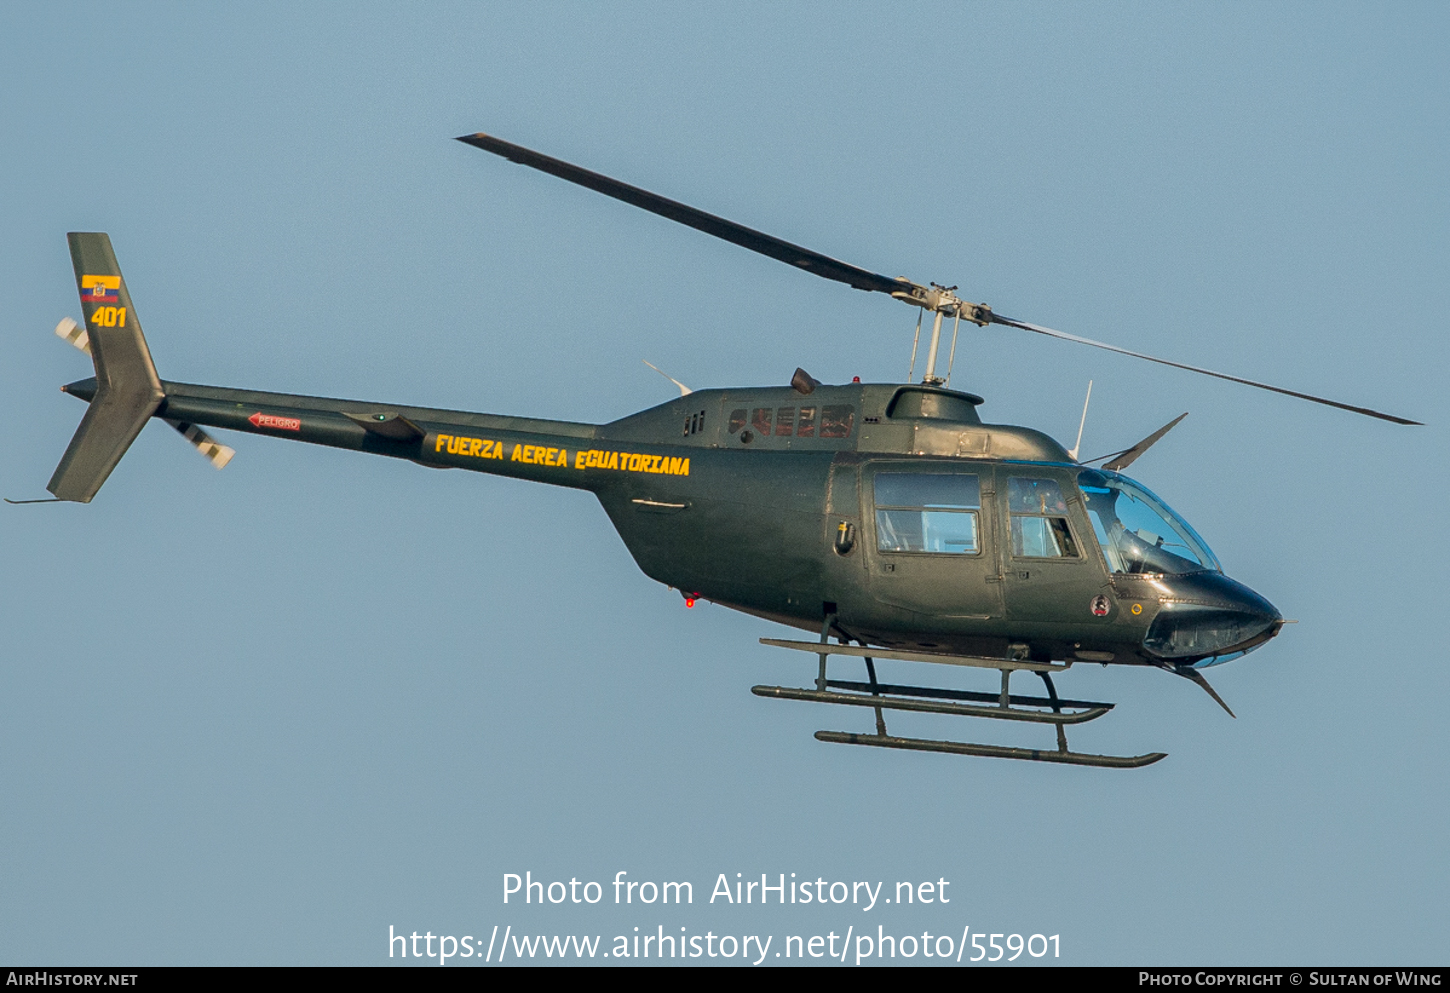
(684, 390)
(1072, 454)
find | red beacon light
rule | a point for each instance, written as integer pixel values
(690, 599)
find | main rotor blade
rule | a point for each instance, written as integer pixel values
(1009, 322)
(936, 298)
(738, 234)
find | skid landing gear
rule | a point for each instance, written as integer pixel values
(1002, 706)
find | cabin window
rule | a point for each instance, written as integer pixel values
(1039, 519)
(836, 422)
(804, 422)
(927, 512)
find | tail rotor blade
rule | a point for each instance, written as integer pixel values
(69, 330)
(216, 453)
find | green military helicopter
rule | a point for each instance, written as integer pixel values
(887, 516)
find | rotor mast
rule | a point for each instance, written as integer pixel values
(942, 300)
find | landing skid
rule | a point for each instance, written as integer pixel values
(993, 751)
(1003, 706)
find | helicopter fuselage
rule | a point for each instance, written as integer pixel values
(893, 508)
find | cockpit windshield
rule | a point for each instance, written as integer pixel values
(1137, 531)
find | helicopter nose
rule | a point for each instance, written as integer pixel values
(1208, 619)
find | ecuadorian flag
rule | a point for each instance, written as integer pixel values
(100, 289)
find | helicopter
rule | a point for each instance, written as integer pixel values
(887, 516)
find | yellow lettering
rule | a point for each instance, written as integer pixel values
(563, 457)
(474, 446)
(442, 440)
(685, 468)
(518, 455)
(672, 466)
(498, 449)
(578, 460)
(613, 461)
(121, 317)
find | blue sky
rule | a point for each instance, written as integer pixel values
(258, 716)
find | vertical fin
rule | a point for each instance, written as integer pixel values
(128, 391)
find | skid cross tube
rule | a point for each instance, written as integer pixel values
(876, 693)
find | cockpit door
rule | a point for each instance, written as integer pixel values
(1052, 571)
